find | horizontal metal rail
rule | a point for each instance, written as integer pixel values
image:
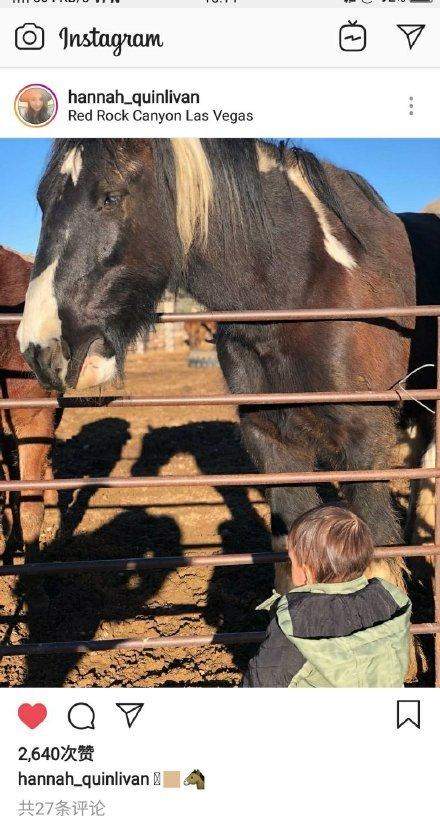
(272, 315)
(221, 480)
(162, 642)
(292, 398)
(280, 315)
(146, 563)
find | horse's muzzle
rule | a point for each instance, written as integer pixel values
(49, 363)
(59, 367)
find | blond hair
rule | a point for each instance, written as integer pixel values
(194, 188)
(334, 543)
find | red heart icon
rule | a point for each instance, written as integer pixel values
(32, 716)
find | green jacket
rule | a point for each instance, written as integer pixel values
(351, 634)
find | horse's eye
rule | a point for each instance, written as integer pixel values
(111, 199)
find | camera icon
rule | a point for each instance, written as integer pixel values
(29, 37)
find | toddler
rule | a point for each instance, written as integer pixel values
(335, 628)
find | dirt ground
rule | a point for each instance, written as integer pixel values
(112, 523)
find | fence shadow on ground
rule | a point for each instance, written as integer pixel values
(72, 607)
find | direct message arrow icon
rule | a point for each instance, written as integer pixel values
(412, 33)
(131, 712)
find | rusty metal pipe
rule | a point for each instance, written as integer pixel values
(265, 316)
(146, 563)
(276, 398)
(162, 642)
(12, 317)
(214, 480)
(334, 314)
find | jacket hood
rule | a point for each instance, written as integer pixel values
(332, 611)
(352, 634)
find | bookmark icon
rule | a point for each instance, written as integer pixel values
(408, 712)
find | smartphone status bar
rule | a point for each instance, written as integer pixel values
(351, 5)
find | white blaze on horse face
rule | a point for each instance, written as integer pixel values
(40, 323)
(334, 247)
(72, 164)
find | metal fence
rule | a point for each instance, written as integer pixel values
(393, 395)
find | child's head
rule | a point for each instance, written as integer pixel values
(329, 544)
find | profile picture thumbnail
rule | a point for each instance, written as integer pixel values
(36, 105)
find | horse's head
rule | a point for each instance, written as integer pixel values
(109, 243)
(196, 778)
(121, 219)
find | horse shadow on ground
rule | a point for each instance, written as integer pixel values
(71, 607)
(233, 592)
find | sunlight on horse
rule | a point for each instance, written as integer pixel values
(26, 435)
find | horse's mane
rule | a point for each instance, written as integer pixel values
(369, 191)
(198, 176)
(314, 172)
(193, 176)
(213, 175)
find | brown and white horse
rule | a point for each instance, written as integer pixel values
(242, 225)
(26, 434)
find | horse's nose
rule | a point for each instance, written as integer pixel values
(49, 363)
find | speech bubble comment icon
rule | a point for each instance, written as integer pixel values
(81, 716)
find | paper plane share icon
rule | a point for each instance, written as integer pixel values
(131, 712)
(412, 33)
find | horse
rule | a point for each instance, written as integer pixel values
(198, 338)
(26, 434)
(196, 778)
(198, 334)
(240, 224)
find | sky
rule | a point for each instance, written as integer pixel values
(406, 172)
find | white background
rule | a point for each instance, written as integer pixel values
(285, 66)
(225, 36)
(263, 752)
(316, 103)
